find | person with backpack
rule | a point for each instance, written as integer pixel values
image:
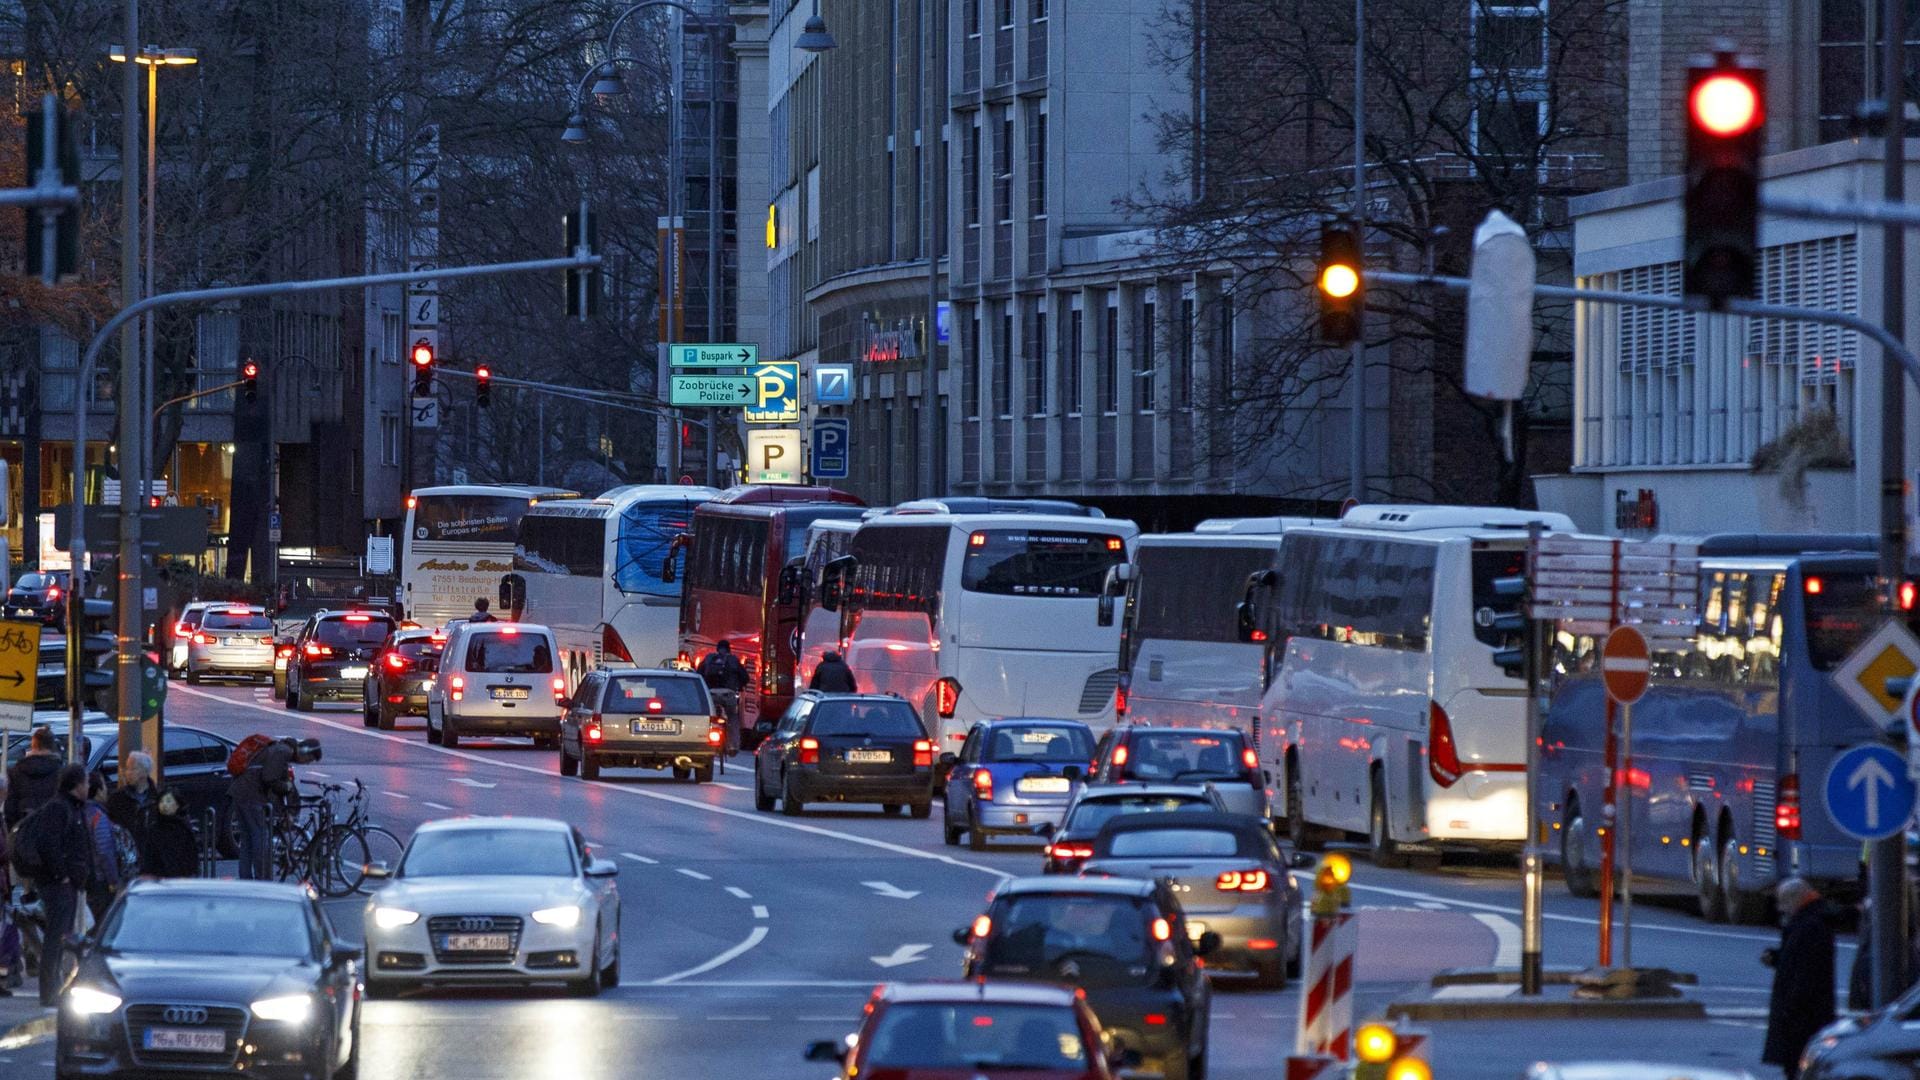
(54, 850)
(31, 780)
(259, 791)
(109, 840)
(725, 677)
(833, 676)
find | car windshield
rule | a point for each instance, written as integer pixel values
(1093, 813)
(654, 694)
(227, 620)
(229, 925)
(1104, 936)
(1049, 745)
(866, 718)
(473, 852)
(1182, 843)
(353, 631)
(32, 581)
(1182, 755)
(976, 1036)
(501, 653)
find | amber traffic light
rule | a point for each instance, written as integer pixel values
(1340, 285)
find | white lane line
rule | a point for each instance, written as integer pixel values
(739, 893)
(759, 935)
(761, 1019)
(1739, 1013)
(759, 911)
(694, 874)
(639, 858)
(1429, 905)
(1506, 937)
(729, 787)
(778, 984)
(435, 805)
(309, 772)
(1408, 894)
(395, 795)
(693, 804)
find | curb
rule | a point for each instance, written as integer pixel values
(1548, 1009)
(29, 1032)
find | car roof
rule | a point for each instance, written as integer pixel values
(1111, 791)
(674, 673)
(1060, 883)
(231, 888)
(1031, 721)
(1239, 824)
(975, 990)
(825, 695)
(502, 625)
(1171, 729)
(531, 824)
(342, 613)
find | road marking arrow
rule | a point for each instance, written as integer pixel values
(891, 892)
(1873, 776)
(471, 783)
(905, 954)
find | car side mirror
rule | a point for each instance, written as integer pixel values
(603, 868)
(764, 727)
(1300, 860)
(789, 590)
(1073, 774)
(949, 759)
(379, 870)
(826, 1050)
(342, 955)
(963, 936)
(1208, 944)
(1044, 829)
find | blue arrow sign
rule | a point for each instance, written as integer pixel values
(832, 438)
(1868, 794)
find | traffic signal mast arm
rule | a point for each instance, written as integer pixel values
(617, 399)
(183, 398)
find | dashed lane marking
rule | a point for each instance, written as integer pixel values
(639, 858)
(435, 805)
(395, 794)
(694, 874)
(1430, 905)
(759, 911)
(739, 893)
(729, 787)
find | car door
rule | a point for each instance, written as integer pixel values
(188, 765)
(959, 782)
(1098, 770)
(581, 707)
(605, 899)
(782, 740)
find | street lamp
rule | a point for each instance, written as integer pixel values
(813, 35)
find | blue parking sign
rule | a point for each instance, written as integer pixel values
(832, 446)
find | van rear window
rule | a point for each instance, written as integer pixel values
(500, 653)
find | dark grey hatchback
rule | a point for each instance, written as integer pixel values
(867, 748)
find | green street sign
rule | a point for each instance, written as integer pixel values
(711, 390)
(717, 356)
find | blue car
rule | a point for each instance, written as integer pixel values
(1013, 775)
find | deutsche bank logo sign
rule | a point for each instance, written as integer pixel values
(832, 445)
(832, 384)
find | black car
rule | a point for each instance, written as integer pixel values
(398, 678)
(332, 655)
(192, 975)
(38, 595)
(193, 764)
(1173, 755)
(1122, 941)
(845, 748)
(1071, 844)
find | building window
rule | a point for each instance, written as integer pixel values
(1070, 369)
(1109, 387)
(1003, 14)
(1183, 356)
(970, 11)
(1036, 350)
(1036, 162)
(393, 327)
(1223, 351)
(971, 392)
(1508, 127)
(1145, 358)
(1003, 169)
(1003, 364)
(389, 439)
(1510, 39)
(970, 167)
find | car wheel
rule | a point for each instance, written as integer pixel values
(1298, 831)
(610, 975)
(1380, 845)
(921, 811)
(1573, 854)
(387, 719)
(976, 838)
(193, 677)
(588, 985)
(279, 687)
(680, 773)
(369, 714)
(890, 808)
(569, 765)
(703, 774)
(449, 738)
(762, 801)
(951, 831)
(302, 703)
(433, 733)
(589, 767)
(1296, 955)
(223, 825)
(1744, 907)
(289, 700)
(790, 803)
(351, 1069)
(1706, 879)
(1197, 1066)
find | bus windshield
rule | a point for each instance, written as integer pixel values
(1022, 562)
(641, 550)
(1842, 609)
(487, 518)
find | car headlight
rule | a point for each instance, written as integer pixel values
(390, 918)
(91, 1001)
(565, 917)
(291, 1009)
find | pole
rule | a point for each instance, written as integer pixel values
(1887, 863)
(1532, 868)
(132, 429)
(1608, 794)
(151, 279)
(931, 147)
(1357, 420)
(1626, 838)
(713, 217)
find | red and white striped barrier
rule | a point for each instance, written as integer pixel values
(1314, 1067)
(1326, 1006)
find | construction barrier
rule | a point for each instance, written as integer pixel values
(1326, 1005)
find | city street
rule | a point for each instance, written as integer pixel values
(746, 935)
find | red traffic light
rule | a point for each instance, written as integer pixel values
(1726, 105)
(249, 370)
(423, 355)
(482, 373)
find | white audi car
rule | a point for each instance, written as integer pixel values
(485, 901)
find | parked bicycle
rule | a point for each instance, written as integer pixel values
(313, 843)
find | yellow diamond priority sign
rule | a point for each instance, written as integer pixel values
(1891, 652)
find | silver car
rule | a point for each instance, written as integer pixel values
(231, 642)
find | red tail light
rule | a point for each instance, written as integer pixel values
(1243, 881)
(53, 592)
(284, 651)
(509, 631)
(685, 659)
(809, 751)
(181, 629)
(1156, 1019)
(716, 736)
(438, 637)
(559, 688)
(1907, 595)
(923, 753)
(1443, 758)
(983, 784)
(458, 686)
(1070, 851)
(203, 639)
(946, 697)
(592, 733)
(982, 926)
(359, 618)
(395, 662)
(266, 641)
(1162, 930)
(314, 648)
(1250, 758)
(1120, 755)
(1786, 811)
(1120, 701)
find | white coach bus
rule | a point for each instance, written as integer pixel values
(457, 543)
(1386, 715)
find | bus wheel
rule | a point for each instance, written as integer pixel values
(1743, 906)
(1573, 854)
(1298, 831)
(1706, 878)
(1386, 854)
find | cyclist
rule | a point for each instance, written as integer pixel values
(260, 794)
(725, 678)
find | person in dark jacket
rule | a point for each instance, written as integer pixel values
(725, 677)
(1803, 975)
(172, 850)
(64, 850)
(258, 794)
(31, 781)
(480, 612)
(834, 676)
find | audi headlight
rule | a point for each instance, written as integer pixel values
(565, 917)
(291, 1009)
(90, 1001)
(391, 918)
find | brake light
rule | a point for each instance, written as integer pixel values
(946, 697)
(181, 629)
(592, 733)
(1786, 812)
(239, 611)
(203, 639)
(654, 705)
(809, 751)
(1156, 1019)
(923, 753)
(1443, 759)
(1162, 930)
(1243, 881)
(457, 686)
(285, 651)
(1249, 758)
(1120, 701)
(266, 640)
(1907, 595)
(359, 618)
(685, 659)
(1257, 636)
(396, 662)
(983, 784)
(977, 540)
(982, 926)
(559, 688)
(715, 736)
(1120, 755)
(314, 648)
(1814, 586)
(53, 592)
(509, 631)
(1070, 851)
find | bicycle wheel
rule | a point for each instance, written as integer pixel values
(381, 846)
(338, 855)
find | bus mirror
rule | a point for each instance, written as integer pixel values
(833, 581)
(790, 582)
(680, 540)
(830, 594)
(1243, 615)
(1106, 609)
(513, 595)
(1117, 579)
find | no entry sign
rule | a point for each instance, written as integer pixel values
(1623, 663)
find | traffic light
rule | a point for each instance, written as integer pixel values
(1342, 289)
(1726, 126)
(422, 357)
(250, 380)
(66, 247)
(482, 386)
(582, 229)
(1507, 616)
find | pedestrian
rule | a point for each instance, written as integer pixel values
(172, 849)
(10, 951)
(480, 612)
(104, 880)
(62, 859)
(833, 676)
(1803, 974)
(31, 781)
(257, 795)
(725, 678)
(132, 804)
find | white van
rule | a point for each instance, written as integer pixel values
(497, 678)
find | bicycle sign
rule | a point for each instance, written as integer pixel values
(19, 670)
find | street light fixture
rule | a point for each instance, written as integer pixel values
(609, 84)
(813, 36)
(576, 128)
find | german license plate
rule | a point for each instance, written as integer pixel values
(1044, 785)
(353, 673)
(191, 1040)
(509, 693)
(656, 727)
(479, 942)
(869, 757)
